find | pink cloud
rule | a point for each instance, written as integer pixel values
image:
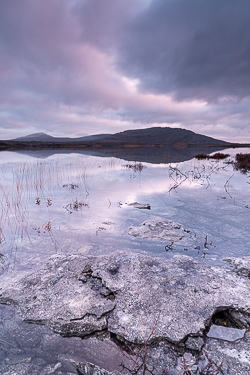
(60, 72)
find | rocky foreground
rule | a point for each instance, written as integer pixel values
(170, 304)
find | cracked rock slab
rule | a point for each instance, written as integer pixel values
(126, 294)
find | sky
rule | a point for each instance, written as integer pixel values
(80, 67)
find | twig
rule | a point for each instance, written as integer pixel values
(226, 186)
(109, 203)
(139, 362)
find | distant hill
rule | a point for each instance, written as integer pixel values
(43, 137)
(140, 137)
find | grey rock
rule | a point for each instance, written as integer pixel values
(226, 333)
(233, 358)
(161, 355)
(91, 369)
(187, 361)
(51, 369)
(158, 228)
(126, 294)
(194, 343)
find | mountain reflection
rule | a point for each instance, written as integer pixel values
(154, 155)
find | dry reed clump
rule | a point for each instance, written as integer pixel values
(217, 156)
(136, 167)
(76, 205)
(242, 162)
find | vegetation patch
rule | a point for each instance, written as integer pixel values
(242, 162)
(217, 156)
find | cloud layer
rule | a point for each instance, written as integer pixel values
(70, 67)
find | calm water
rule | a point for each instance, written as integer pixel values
(78, 204)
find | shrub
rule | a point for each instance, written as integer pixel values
(219, 156)
(201, 156)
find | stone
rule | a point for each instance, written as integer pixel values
(90, 369)
(51, 369)
(158, 228)
(142, 206)
(226, 333)
(194, 343)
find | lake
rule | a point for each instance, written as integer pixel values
(82, 204)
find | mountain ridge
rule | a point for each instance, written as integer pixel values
(146, 136)
(152, 145)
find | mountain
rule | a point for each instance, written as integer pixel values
(139, 137)
(43, 137)
(160, 136)
(153, 145)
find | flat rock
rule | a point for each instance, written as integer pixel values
(226, 333)
(126, 294)
(158, 228)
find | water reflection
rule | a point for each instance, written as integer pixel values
(176, 153)
(76, 204)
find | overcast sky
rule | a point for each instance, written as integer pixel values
(78, 67)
